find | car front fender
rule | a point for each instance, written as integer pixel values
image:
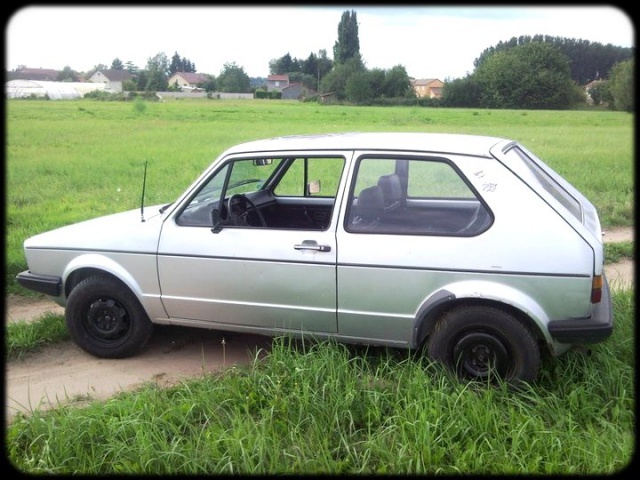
(140, 276)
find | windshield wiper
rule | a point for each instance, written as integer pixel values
(165, 207)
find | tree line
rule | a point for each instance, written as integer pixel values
(526, 72)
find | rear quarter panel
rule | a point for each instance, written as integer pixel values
(530, 258)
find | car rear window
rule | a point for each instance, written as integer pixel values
(548, 183)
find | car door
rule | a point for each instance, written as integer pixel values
(411, 225)
(260, 277)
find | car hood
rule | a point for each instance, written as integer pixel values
(123, 231)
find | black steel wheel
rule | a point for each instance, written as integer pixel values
(106, 319)
(485, 343)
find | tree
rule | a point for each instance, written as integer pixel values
(233, 79)
(461, 92)
(531, 76)
(130, 67)
(117, 64)
(283, 65)
(142, 81)
(181, 64)
(397, 83)
(66, 75)
(357, 88)
(621, 86)
(588, 61)
(348, 45)
(336, 80)
(211, 84)
(377, 79)
(325, 65)
(157, 73)
(599, 93)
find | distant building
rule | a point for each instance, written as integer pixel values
(428, 87)
(188, 80)
(277, 82)
(296, 91)
(24, 73)
(113, 79)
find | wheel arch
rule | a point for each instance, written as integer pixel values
(85, 266)
(509, 300)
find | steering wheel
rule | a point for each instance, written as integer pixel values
(240, 208)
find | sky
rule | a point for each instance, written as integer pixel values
(430, 42)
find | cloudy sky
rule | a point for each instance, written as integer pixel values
(430, 42)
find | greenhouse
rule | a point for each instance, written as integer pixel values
(51, 90)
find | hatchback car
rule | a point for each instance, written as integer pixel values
(470, 246)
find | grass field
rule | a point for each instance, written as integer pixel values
(71, 160)
(326, 408)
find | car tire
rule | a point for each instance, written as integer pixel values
(106, 319)
(485, 343)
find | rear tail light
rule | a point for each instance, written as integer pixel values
(596, 289)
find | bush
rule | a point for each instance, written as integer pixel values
(105, 96)
(273, 95)
(139, 106)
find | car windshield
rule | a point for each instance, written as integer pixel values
(249, 175)
(246, 176)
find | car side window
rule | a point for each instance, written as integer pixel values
(311, 177)
(304, 195)
(426, 196)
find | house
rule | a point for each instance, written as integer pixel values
(427, 87)
(188, 80)
(277, 82)
(24, 73)
(113, 79)
(294, 91)
(589, 93)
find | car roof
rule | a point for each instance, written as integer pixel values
(410, 141)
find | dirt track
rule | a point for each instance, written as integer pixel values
(65, 372)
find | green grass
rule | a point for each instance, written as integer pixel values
(327, 408)
(68, 161)
(324, 408)
(614, 252)
(22, 338)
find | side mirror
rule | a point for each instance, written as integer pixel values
(262, 162)
(313, 187)
(216, 221)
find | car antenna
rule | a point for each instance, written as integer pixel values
(144, 183)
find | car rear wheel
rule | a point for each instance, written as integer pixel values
(106, 319)
(485, 343)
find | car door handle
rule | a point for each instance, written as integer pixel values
(312, 245)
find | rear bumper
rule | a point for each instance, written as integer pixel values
(47, 284)
(593, 329)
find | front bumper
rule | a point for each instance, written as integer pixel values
(47, 284)
(593, 329)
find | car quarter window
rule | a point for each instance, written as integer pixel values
(414, 196)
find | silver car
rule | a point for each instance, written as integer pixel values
(470, 246)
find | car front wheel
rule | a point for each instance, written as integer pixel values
(106, 319)
(484, 343)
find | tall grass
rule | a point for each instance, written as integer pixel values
(332, 409)
(68, 161)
